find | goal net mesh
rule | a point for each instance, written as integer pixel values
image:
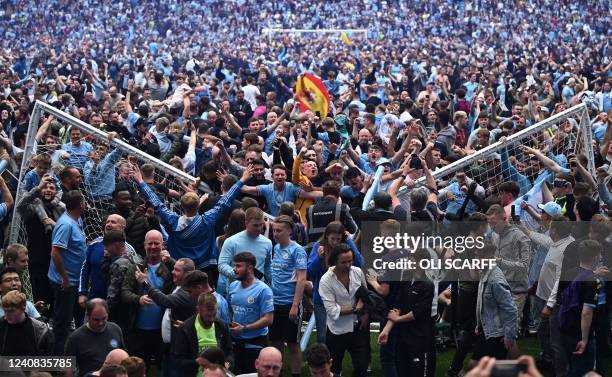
(113, 170)
(558, 137)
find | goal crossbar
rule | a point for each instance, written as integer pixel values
(583, 144)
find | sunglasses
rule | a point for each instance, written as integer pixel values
(560, 184)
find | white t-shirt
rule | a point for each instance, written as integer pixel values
(250, 92)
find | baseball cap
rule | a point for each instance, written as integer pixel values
(551, 208)
(383, 161)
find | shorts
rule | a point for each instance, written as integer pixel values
(284, 329)
(492, 347)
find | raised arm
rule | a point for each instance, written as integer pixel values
(42, 131)
(550, 164)
(168, 216)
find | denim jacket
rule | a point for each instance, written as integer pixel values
(498, 313)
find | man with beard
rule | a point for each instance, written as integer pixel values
(280, 190)
(39, 259)
(258, 178)
(92, 283)
(241, 109)
(116, 125)
(252, 303)
(201, 331)
(137, 222)
(77, 149)
(145, 338)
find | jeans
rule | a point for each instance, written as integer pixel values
(467, 323)
(388, 361)
(519, 300)
(321, 322)
(357, 343)
(169, 367)
(466, 344)
(41, 286)
(146, 344)
(579, 364)
(556, 343)
(65, 309)
(602, 339)
(546, 350)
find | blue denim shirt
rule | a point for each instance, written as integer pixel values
(499, 315)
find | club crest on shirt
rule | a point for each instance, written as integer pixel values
(251, 299)
(285, 256)
(114, 343)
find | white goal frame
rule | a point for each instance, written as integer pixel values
(41, 108)
(270, 32)
(584, 143)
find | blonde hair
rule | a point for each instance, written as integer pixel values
(14, 299)
(190, 202)
(459, 115)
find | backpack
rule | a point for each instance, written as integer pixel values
(571, 309)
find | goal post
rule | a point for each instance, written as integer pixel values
(499, 162)
(270, 32)
(97, 206)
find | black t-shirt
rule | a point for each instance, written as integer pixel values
(90, 348)
(415, 297)
(21, 341)
(393, 277)
(587, 290)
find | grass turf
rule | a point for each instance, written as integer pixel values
(528, 345)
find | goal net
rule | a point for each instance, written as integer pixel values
(308, 34)
(113, 170)
(558, 137)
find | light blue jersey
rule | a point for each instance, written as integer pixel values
(275, 198)
(68, 235)
(285, 265)
(249, 304)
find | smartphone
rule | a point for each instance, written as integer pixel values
(508, 368)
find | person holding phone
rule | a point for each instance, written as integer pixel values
(145, 338)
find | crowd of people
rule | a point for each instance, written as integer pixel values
(132, 269)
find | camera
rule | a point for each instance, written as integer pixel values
(415, 162)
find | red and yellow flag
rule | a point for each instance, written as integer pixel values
(312, 94)
(346, 39)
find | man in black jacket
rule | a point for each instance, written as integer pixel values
(241, 109)
(21, 335)
(199, 332)
(382, 207)
(411, 319)
(327, 210)
(178, 307)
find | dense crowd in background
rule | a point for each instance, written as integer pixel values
(214, 277)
